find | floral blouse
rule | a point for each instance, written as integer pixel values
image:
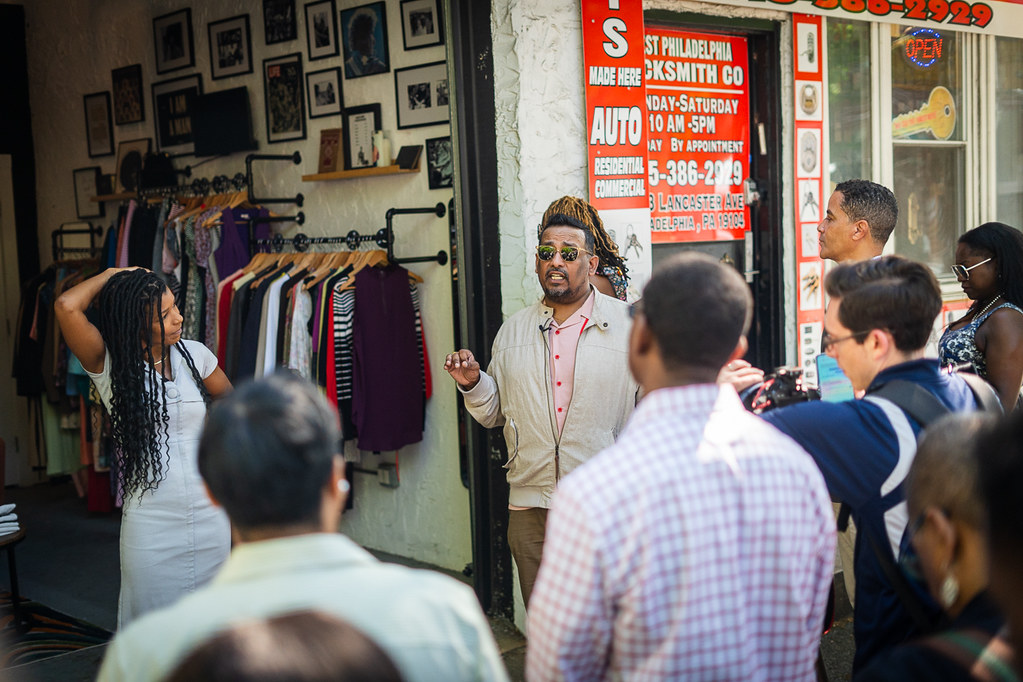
(957, 346)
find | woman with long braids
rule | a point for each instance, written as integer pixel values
(989, 267)
(156, 387)
(612, 277)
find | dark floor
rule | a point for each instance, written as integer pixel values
(69, 562)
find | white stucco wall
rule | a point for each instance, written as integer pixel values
(72, 47)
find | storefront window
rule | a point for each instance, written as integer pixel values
(929, 148)
(1009, 137)
(849, 108)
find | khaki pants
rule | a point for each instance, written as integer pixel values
(526, 530)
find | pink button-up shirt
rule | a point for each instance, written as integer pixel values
(563, 339)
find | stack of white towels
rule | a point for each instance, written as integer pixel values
(8, 520)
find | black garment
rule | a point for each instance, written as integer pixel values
(250, 330)
(142, 235)
(920, 659)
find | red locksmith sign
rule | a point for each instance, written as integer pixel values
(613, 60)
(698, 126)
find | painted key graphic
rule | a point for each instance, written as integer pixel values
(938, 116)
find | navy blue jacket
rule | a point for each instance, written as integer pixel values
(864, 456)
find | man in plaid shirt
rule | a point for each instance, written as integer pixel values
(701, 545)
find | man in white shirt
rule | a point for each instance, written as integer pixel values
(701, 545)
(268, 455)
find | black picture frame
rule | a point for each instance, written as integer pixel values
(86, 182)
(130, 155)
(421, 24)
(230, 47)
(358, 127)
(172, 110)
(440, 162)
(323, 90)
(321, 30)
(99, 131)
(364, 39)
(279, 23)
(129, 102)
(422, 95)
(285, 101)
(173, 41)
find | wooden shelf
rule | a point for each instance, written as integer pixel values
(115, 197)
(359, 173)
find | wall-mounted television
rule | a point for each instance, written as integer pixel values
(222, 123)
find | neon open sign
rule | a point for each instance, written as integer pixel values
(923, 47)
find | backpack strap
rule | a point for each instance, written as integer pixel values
(913, 399)
(984, 392)
(986, 657)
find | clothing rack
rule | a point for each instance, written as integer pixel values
(59, 250)
(199, 187)
(384, 237)
(295, 158)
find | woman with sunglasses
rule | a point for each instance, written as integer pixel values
(988, 339)
(946, 550)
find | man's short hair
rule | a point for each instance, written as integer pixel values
(267, 450)
(697, 309)
(891, 293)
(866, 200)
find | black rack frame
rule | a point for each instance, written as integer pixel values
(57, 240)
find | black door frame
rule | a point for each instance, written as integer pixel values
(767, 334)
(479, 286)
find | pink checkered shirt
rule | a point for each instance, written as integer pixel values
(699, 547)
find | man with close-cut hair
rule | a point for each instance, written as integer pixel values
(876, 326)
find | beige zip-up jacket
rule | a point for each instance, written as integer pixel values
(515, 392)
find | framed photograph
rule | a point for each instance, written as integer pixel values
(421, 25)
(230, 47)
(359, 124)
(172, 107)
(323, 89)
(130, 154)
(128, 104)
(321, 29)
(439, 162)
(421, 95)
(285, 105)
(87, 187)
(364, 37)
(330, 147)
(99, 131)
(279, 24)
(172, 37)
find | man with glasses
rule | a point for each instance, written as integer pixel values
(558, 382)
(876, 326)
(701, 545)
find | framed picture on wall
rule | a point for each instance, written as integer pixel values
(87, 187)
(323, 89)
(128, 104)
(172, 38)
(172, 107)
(321, 29)
(359, 124)
(130, 154)
(99, 131)
(230, 47)
(364, 38)
(279, 24)
(285, 105)
(439, 162)
(421, 95)
(421, 24)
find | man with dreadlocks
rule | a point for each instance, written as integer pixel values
(558, 380)
(156, 387)
(612, 275)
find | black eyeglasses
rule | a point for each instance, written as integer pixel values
(963, 272)
(909, 560)
(568, 253)
(827, 342)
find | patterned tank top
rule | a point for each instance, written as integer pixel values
(958, 346)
